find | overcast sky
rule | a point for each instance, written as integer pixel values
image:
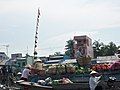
(60, 20)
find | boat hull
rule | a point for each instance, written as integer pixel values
(73, 86)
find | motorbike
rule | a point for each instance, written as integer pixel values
(110, 84)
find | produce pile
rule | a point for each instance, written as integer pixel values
(115, 66)
(73, 69)
(66, 69)
(48, 81)
(101, 67)
(83, 70)
(61, 81)
(83, 60)
(60, 69)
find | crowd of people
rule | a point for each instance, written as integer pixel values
(6, 74)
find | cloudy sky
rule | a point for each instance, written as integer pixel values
(60, 20)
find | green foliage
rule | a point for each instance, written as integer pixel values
(82, 70)
(112, 48)
(96, 48)
(100, 49)
(70, 48)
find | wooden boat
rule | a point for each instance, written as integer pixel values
(72, 86)
(32, 86)
(35, 86)
(80, 82)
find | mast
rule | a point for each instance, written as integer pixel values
(36, 36)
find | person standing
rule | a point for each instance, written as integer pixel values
(78, 56)
(38, 65)
(94, 80)
(26, 73)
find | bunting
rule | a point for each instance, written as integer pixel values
(36, 35)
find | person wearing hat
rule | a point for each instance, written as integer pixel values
(38, 65)
(94, 80)
(26, 73)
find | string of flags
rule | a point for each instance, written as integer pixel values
(36, 35)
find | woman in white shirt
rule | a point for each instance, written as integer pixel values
(26, 73)
(94, 80)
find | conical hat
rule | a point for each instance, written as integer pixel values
(19, 73)
(93, 72)
(28, 65)
(38, 60)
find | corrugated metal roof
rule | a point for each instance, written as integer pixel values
(2, 62)
(52, 61)
(69, 61)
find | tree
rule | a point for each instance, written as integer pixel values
(70, 48)
(104, 50)
(112, 48)
(96, 48)
(100, 49)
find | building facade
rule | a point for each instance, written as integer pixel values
(3, 56)
(16, 55)
(84, 45)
